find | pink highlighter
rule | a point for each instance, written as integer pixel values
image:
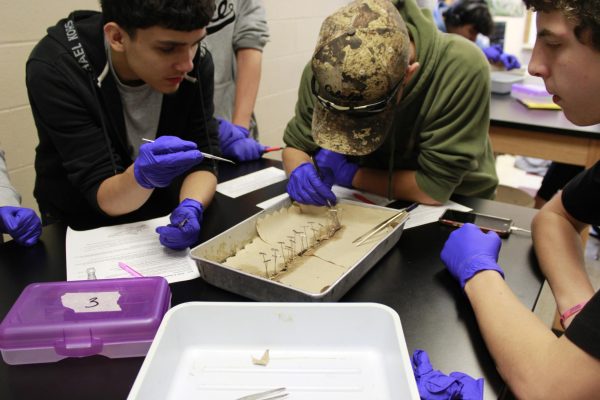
(129, 270)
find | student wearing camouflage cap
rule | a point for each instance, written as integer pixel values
(392, 106)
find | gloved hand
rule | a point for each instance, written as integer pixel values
(468, 251)
(343, 171)
(237, 144)
(21, 223)
(493, 53)
(163, 160)
(509, 61)
(434, 385)
(184, 229)
(306, 187)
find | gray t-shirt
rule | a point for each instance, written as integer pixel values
(141, 110)
(236, 24)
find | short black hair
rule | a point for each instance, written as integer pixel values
(180, 15)
(585, 14)
(476, 12)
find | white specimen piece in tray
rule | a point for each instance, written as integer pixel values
(301, 230)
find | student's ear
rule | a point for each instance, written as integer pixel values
(115, 35)
(410, 71)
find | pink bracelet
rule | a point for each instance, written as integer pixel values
(571, 311)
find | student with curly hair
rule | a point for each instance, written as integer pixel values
(473, 20)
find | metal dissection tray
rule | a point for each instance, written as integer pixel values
(211, 255)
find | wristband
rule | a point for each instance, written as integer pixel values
(570, 312)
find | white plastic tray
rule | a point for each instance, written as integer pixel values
(317, 351)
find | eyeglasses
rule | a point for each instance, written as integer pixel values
(372, 108)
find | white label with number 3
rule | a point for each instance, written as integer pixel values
(91, 301)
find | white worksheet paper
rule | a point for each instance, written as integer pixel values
(249, 183)
(365, 197)
(426, 214)
(419, 216)
(135, 244)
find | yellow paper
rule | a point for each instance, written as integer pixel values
(540, 106)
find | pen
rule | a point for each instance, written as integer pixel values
(411, 207)
(362, 198)
(128, 269)
(206, 155)
(273, 148)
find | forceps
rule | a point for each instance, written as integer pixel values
(402, 214)
(206, 155)
(272, 394)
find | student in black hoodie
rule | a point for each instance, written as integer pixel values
(99, 84)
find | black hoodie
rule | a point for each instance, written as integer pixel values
(82, 134)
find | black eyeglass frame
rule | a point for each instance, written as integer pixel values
(372, 108)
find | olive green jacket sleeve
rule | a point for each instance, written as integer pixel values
(298, 131)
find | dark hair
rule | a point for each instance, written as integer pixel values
(181, 15)
(585, 14)
(476, 12)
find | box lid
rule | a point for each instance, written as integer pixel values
(529, 90)
(77, 318)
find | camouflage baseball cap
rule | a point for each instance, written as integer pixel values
(358, 67)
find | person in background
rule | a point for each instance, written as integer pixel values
(237, 34)
(530, 358)
(123, 104)
(21, 223)
(472, 19)
(412, 115)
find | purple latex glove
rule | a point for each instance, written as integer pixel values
(434, 385)
(306, 187)
(21, 223)
(493, 53)
(509, 61)
(163, 160)
(468, 251)
(184, 229)
(343, 171)
(237, 144)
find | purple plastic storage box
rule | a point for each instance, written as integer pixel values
(112, 317)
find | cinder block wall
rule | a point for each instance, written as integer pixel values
(294, 27)
(22, 24)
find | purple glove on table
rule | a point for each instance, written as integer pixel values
(468, 251)
(493, 53)
(343, 171)
(184, 229)
(21, 223)
(163, 160)
(306, 187)
(434, 385)
(237, 144)
(509, 61)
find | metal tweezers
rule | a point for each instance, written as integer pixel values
(403, 214)
(267, 395)
(206, 155)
